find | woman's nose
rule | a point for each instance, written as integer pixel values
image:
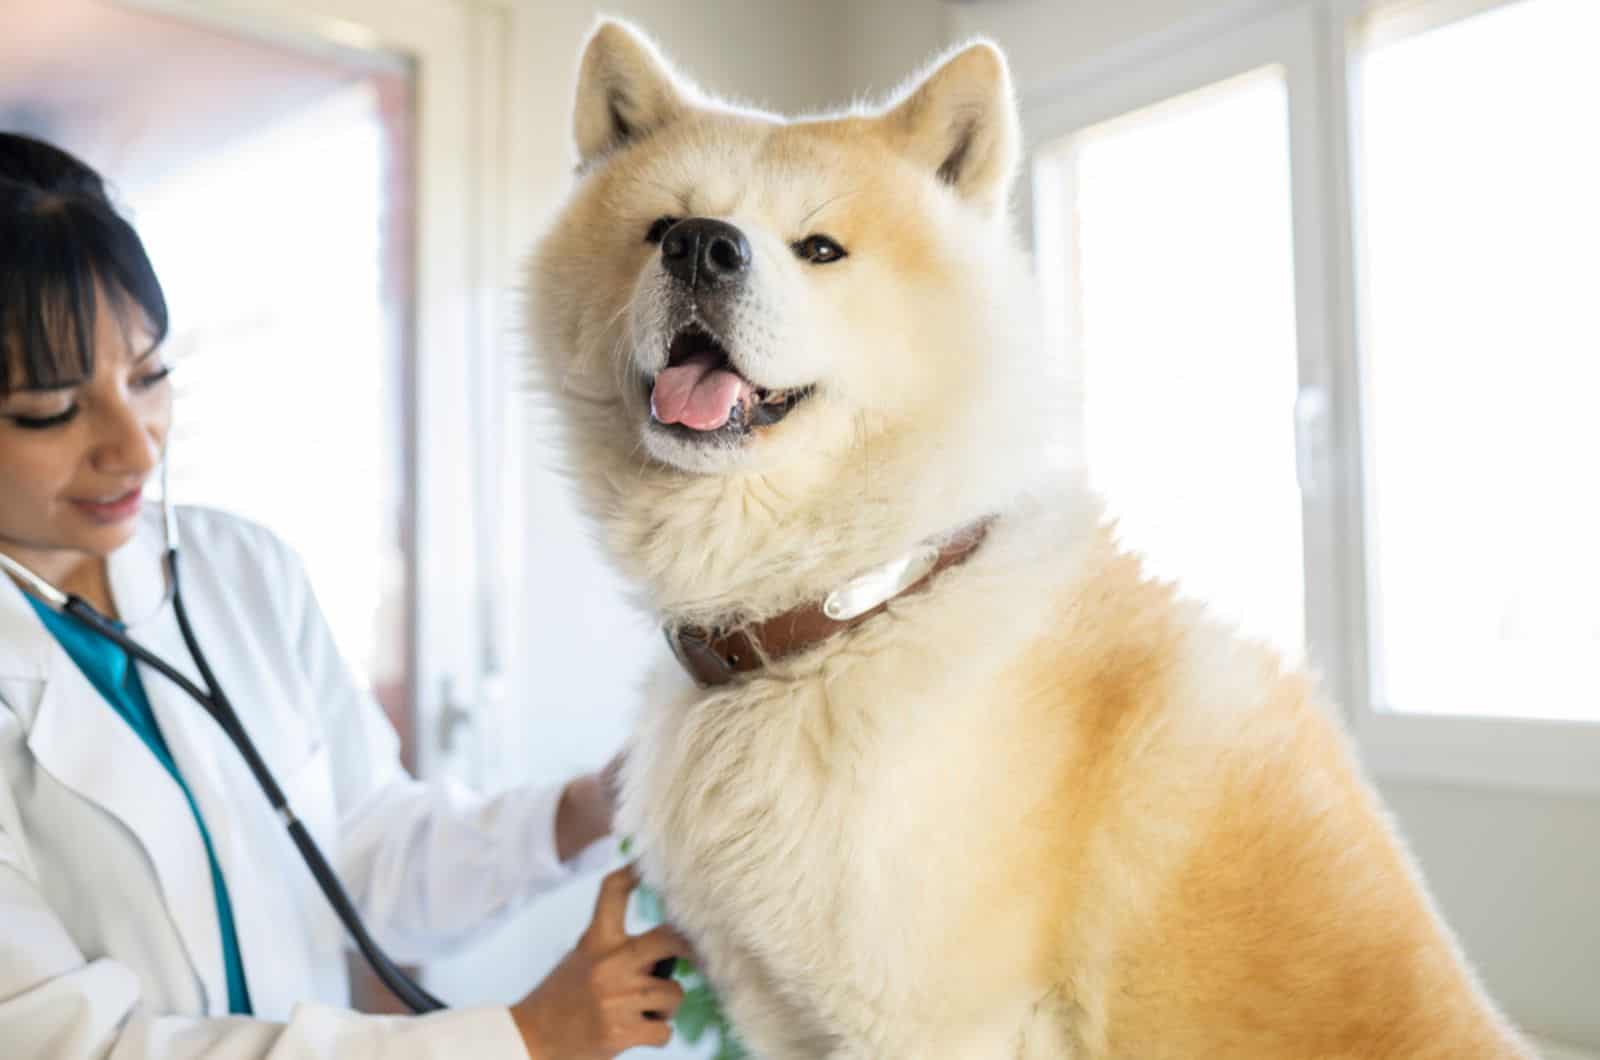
(129, 441)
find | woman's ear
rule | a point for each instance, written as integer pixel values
(960, 122)
(626, 91)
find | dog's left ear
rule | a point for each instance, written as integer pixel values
(625, 91)
(961, 122)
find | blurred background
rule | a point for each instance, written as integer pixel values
(1324, 271)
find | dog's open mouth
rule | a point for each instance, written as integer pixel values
(701, 393)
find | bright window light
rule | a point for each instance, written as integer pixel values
(1185, 300)
(1479, 188)
(269, 250)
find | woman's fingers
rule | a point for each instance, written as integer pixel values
(643, 1003)
(661, 998)
(657, 944)
(646, 1032)
(608, 929)
(657, 1002)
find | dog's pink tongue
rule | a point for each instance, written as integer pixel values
(696, 393)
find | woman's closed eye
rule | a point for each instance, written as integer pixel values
(39, 423)
(153, 378)
(37, 419)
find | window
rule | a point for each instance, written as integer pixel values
(1325, 277)
(1478, 224)
(287, 384)
(1188, 408)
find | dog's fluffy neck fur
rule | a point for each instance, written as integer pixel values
(773, 546)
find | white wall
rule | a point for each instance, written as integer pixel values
(1044, 38)
(1518, 878)
(880, 44)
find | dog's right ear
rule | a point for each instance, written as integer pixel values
(960, 122)
(625, 91)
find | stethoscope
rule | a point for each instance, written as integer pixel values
(216, 703)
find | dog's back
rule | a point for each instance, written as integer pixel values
(1230, 886)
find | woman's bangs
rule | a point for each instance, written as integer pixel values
(70, 259)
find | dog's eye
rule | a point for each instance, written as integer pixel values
(658, 229)
(818, 250)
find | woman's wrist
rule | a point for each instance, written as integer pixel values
(583, 815)
(528, 1033)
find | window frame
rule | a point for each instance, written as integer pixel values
(1316, 45)
(1560, 757)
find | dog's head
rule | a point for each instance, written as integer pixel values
(731, 297)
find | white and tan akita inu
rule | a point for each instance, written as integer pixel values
(956, 780)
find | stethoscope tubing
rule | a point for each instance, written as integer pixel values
(404, 987)
(216, 703)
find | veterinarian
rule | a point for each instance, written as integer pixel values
(152, 903)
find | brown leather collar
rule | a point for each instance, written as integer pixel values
(715, 657)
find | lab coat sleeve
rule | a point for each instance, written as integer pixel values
(431, 865)
(54, 1003)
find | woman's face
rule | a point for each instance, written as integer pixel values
(74, 461)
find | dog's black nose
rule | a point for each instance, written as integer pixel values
(702, 253)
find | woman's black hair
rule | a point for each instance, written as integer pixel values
(62, 242)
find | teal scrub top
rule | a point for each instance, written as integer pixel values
(110, 670)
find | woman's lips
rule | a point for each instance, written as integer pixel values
(114, 510)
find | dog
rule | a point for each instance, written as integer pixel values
(953, 777)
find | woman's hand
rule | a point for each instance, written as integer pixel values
(588, 804)
(594, 1005)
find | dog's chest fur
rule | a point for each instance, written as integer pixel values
(829, 828)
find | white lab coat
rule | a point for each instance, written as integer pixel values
(109, 943)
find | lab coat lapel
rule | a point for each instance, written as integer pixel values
(225, 794)
(245, 832)
(199, 746)
(25, 644)
(77, 737)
